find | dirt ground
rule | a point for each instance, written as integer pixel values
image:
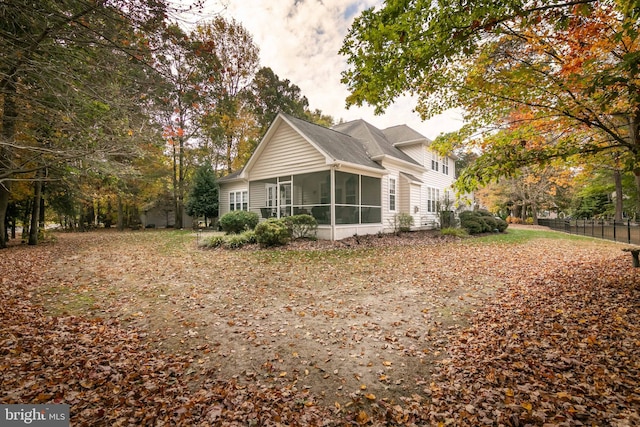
(352, 320)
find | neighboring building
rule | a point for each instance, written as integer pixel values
(353, 178)
(161, 214)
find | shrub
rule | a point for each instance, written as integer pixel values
(481, 222)
(235, 241)
(272, 232)
(473, 226)
(501, 224)
(301, 226)
(250, 236)
(529, 221)
(452, 231)
(213, 242)
(236, 222)
(402, 222)
(488, 222)
(513, 220)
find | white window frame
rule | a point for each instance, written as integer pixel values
(239, 200)
(445, 165)
(433, 196)
(435, 162)
(393, 199)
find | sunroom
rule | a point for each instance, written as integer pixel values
(342, 202)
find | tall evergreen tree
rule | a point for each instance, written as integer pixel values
(203, 197)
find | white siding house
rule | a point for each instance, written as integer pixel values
(353, 178)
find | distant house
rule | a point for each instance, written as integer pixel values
(353, 178)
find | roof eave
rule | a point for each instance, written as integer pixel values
(339, 163)
(382, 157)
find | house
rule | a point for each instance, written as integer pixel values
(353, 178)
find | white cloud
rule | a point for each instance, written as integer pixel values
(300, 39)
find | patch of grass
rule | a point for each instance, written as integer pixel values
(172, 241)
(66, 300)
(452, 231)
(522, 236)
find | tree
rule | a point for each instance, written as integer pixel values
(63, 67)
(568, 70)
(270, 95)
(189, 72)
(227, 109)
(203, 197)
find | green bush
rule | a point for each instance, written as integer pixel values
(483, 220)
(301, 226)
(236, 241)
(272, 232)
(473, 226)
(488, 222)
(452, 231)
(501, 224)
(250, 236)
(236, 222)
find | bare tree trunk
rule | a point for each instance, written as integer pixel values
(120, 214)
(35, 211)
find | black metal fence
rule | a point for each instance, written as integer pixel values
(625, 231)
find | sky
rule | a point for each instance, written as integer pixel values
(300, 39)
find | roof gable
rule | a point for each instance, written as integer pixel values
(403, 134)
(338, 146)
(373, 140)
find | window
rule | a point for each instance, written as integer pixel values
(392, 194)
(433, 195)
(445, 166)
(434, 162)
(238, 201)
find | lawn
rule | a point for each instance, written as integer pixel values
(148, 328)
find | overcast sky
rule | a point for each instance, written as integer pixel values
(300, 39)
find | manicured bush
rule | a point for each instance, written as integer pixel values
(481, 221)
(473, 226)
(301, 226)
(272, 232)
(501, 224)
(488, 222)
(236, 222)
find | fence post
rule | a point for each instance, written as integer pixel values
(614, 231)
(628, 230)
(602, 222)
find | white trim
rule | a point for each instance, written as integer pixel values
(393, 178)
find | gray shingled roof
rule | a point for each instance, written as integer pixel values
(337, 145)
(373, 139)
(403, 133)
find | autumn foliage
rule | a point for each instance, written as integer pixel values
(144, 328)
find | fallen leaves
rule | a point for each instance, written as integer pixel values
(428, 333)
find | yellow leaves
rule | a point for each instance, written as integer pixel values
(370, 396)
(362, 418)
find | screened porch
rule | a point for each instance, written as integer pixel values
(352, 199)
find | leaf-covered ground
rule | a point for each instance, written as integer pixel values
(145, 328)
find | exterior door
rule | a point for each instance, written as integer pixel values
(285, 199)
